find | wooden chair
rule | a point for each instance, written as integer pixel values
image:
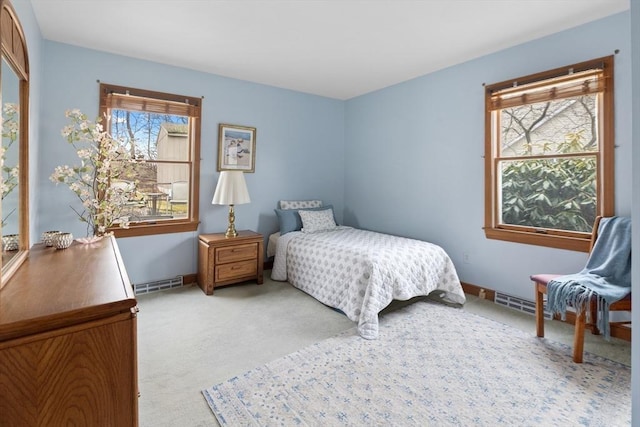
(540, 282)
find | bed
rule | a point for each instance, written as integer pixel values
(356, 271)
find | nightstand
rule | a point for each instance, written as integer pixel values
(224, 261)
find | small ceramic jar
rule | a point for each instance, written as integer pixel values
(63, 240)
(48, 237)
(10, 242)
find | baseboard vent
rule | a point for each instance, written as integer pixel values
(158, 285)
(519, 304)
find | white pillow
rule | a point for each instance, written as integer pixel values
(313, 221)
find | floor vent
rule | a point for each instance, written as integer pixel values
(159, 285)
(519, 304)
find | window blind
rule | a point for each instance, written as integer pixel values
(561, 83)
(115, 97)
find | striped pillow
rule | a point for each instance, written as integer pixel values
(300, 204)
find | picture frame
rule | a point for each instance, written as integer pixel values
(236, 148)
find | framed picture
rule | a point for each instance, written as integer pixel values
(236, 148)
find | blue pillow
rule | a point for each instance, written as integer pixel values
(290, 220)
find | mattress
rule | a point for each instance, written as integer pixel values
(272, 243)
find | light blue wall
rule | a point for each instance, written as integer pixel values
(414, 155)
(299, 148)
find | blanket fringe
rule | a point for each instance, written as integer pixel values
(572, 294)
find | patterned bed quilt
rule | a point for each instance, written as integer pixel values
(360, 272)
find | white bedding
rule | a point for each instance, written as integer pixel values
(360, 272)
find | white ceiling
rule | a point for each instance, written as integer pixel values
(333, 48)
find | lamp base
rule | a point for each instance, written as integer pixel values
(231, 229)
(231, 232)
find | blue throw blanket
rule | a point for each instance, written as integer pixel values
(607, 275)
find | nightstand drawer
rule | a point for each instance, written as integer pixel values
(236, 253)
(236, 270)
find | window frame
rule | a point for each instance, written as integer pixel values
(561, 239)
(194, 107)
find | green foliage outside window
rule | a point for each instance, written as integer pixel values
(554, 192)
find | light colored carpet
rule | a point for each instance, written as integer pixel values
(416, 374)
(188, 341)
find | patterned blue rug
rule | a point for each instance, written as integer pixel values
(431, 365)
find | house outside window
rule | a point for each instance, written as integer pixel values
(162, 132)
(549, 155)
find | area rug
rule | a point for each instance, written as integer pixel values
(431, 365)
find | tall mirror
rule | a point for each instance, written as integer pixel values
(14, 99)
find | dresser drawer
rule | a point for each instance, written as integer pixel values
(236, 253)
(236, 270)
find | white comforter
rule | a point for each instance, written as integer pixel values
(360, 272)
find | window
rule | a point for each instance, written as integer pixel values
(549, 155)
(162, 132)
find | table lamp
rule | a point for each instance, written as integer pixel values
(231, 190)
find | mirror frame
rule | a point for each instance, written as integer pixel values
(14, 51)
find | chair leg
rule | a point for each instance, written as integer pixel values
(539, 311)
(578, 338)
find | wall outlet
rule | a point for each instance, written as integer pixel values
(465, 258)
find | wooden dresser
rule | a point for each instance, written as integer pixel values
(68, 339)
(224, 261)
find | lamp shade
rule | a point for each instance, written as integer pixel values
(231, 189)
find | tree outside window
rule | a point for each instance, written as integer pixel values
(549, 155)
